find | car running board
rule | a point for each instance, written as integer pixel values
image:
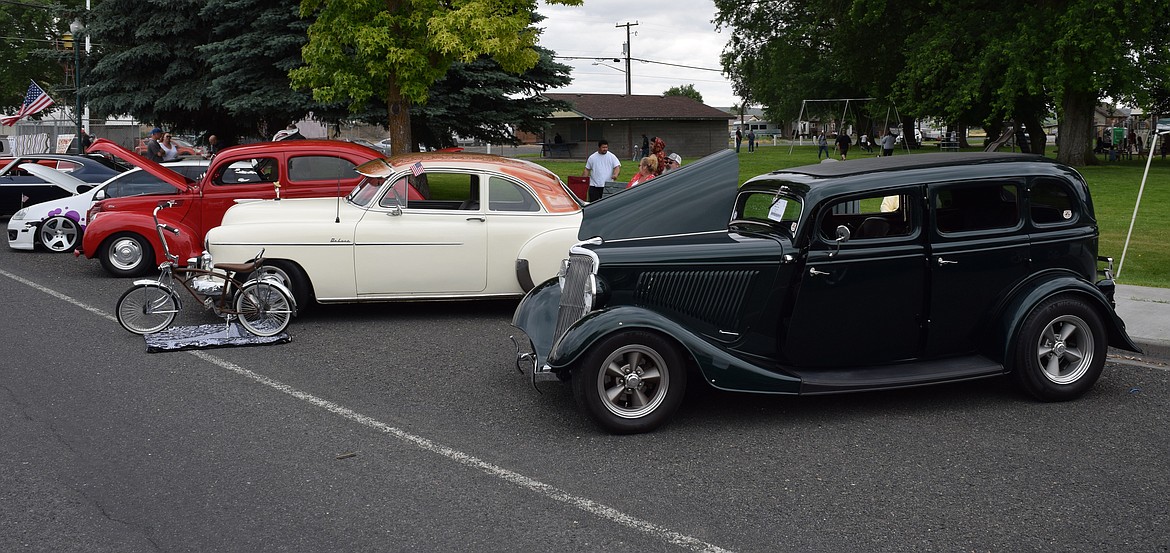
(901, 375)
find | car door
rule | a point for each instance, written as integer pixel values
(429, 247)
(978, 252)
(248, 178)
(861, 301)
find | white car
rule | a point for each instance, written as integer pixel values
(485, 226)
(57, 225)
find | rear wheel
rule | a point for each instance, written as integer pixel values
(147, 308)
(1060, 350)
(59, 234)
(264, 309)
(126, 254)
(630, 382)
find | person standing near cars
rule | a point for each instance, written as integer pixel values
(154, 151)
(601, 166)
(843, 142)
(212, 147)
(169, 148)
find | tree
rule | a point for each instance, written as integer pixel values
(396, 50)
(962, 61)
(687, 90)
(480, 100)
(220, 65)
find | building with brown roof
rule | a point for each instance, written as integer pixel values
(689, 128)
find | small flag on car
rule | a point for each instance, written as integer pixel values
(417, 168)
(23, 199)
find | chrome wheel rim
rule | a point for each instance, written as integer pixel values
(633, 381)
(125, 254)
(59, 234)
(1065, 349)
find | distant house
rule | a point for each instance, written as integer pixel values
(689, 128)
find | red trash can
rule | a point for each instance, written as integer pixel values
(580, 187)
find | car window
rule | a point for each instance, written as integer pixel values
(441, 191)
(137, 183)
(319, 168)
(366, 190)
(1051, 202)
(776, 210)
(979, 206)
(505, 195)
(870, 217)
(248, 171)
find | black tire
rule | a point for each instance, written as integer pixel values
(126, 254)
(630, 382)
(1060, 350)
(292, 277)
(264, 309)
(59, 234)
(147, 308)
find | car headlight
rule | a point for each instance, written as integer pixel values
(20, 215)
(564, 270)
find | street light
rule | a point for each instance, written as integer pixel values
(76, 27)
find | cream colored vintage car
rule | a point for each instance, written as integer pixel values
(485, 226)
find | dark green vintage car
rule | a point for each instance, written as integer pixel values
(845, 276)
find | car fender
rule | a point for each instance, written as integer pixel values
(536, 316)
(1026, 297)
(540, 257)
(108, 224)
(719, 368)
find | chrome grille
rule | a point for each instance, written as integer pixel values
(714, 297)
(572, 306)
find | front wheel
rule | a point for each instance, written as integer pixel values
(630, 382)
(264, 309)
(59, 234)
(147, 308)
(126, 255)
(1060, 350)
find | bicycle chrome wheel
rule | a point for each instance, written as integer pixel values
(264, 309)
(147, 308)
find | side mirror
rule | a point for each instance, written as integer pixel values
(842, 236)
(99, 195)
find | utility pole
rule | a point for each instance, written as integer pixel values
(627, 25)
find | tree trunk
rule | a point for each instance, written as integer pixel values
(1076, 129)
(911, 140)
(398, 112)
(1037, 139)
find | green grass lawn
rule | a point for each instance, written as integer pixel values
(1114, 187)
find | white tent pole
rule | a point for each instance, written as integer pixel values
(1141, 189)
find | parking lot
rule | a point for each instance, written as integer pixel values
(400, 427)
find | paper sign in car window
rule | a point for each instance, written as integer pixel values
(776, 212)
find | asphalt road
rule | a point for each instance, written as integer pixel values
(406, 428)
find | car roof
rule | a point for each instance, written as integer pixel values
(835, 177)
(552, 192)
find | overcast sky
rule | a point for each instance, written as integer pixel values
(679, 32)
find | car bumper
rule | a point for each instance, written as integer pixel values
(20, 234)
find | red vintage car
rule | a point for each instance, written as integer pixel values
(121, 232)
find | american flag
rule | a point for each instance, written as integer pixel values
(35, 100)
(417, 168)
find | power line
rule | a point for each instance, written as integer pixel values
(604, 58)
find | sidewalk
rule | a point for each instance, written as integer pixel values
(1146, 312)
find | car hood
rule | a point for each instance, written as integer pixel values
(694, 198)
(157, 169)
(53, 176)
(296, 210)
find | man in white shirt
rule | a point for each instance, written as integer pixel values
(601, 166)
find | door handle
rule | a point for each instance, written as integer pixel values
(814, 272)
(480, 219)
(942, 261)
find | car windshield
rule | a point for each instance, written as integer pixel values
(365, 191)
(780, 210)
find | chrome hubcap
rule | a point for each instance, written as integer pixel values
(1065, 349)
(125, 254)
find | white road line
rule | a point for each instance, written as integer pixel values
(589, 506)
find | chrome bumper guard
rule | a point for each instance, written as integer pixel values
(526, 362)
